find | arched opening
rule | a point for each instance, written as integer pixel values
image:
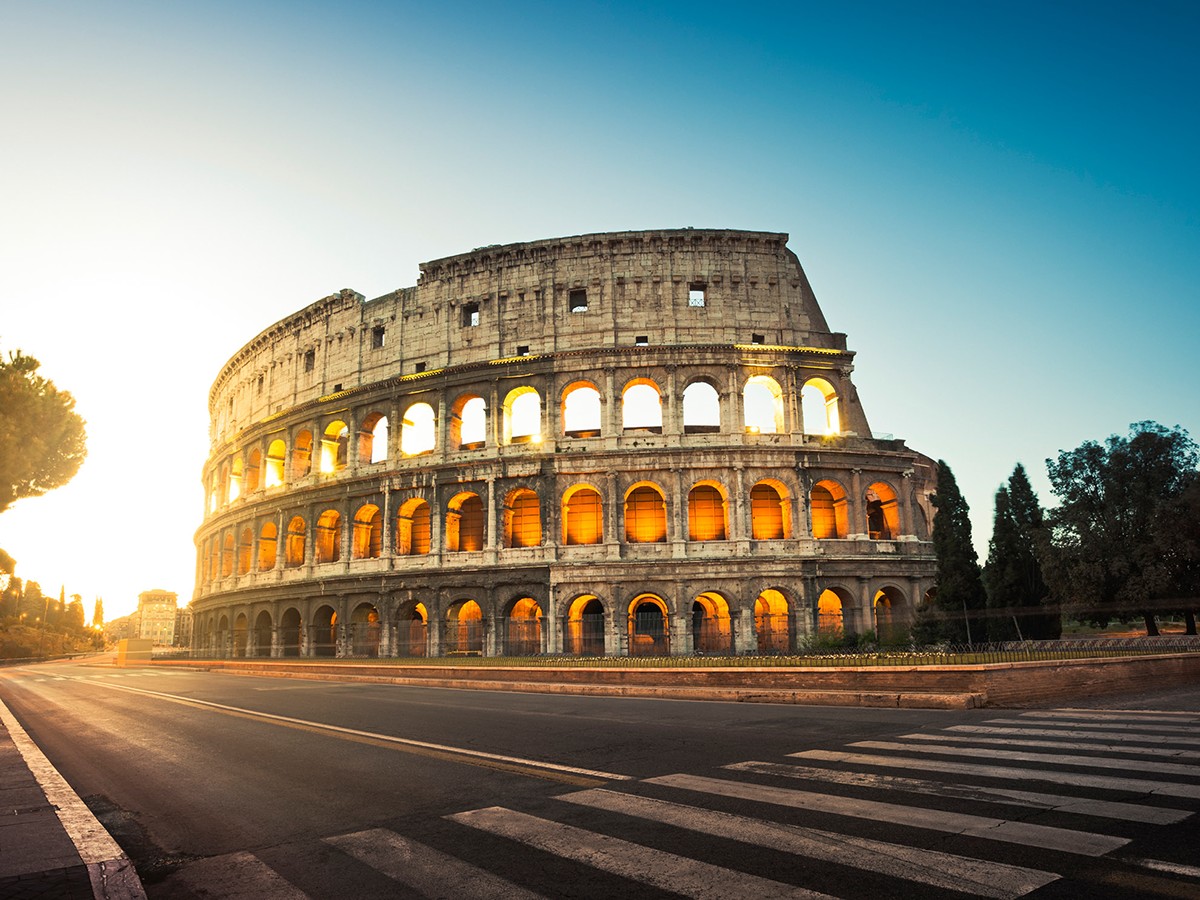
(227, 554)
(241, 631)
(276, 455)
(585, 627)
(289, 632)
(245, 551)
(711, 632)
(324, 632)
(648, 620)
(214, 558)
(771, 622)
(582, 516)
(523, 416)
(418, 430)
(301, 456)
(413, 528)
(819, 407)
(468, 423)
(261, 645)
(645, 515)
(770, 512)
(412, 629)
(223, 637)
(701, 409)
(253, 470)
(464, 628)
(295, 543)
(523, 628)
(762, 405)
(329, 537)
(373, 439)
(641, 407)
(883, 512)
(367, 539)
(234, 489)
(464, 523)
(522, 519)
(335, 446)
(364, 630)
(830, 620)
(708, 518)
(891, 614)
(581, 410)
(827, 502)
(268, 540)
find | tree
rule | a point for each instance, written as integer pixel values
(74, 618)
(42, 438)
(1177, 530)
(1016, 589)
(954, 612)
(98, 613)
(1108, 552)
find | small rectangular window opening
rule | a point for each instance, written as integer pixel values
(336, 388)
(260, 384)
(757, 339)
(377, 337)
(577, 300)
(420, 367)
(696, 293)
(641, 340)
(470, 315)
(310, 360)
(522, 349)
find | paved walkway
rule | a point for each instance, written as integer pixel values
(50, 843)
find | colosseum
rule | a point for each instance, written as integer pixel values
(643, 442)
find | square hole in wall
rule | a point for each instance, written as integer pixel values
(757, 339)
(378, 336)
(577, 301)
(697, 293)
(642, 340)
(470, 315)
(420, 367)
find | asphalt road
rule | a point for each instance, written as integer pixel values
(221, 785)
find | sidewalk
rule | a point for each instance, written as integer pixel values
(51, 846)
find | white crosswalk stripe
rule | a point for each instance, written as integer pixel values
(981, 738)
(1115, 736)
(1110, 725)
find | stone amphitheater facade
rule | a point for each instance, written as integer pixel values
(608, 444)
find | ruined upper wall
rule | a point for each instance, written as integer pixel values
(519, 297)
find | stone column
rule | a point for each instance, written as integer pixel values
(855, 510)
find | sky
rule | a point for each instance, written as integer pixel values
(999, 203)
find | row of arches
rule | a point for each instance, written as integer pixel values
(338, 445)
(464, 524)
(587, 626)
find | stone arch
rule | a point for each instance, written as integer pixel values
(245, 550)
(641, 406)
(252, 477)
(464, 628)
(264, 631)
(831, 611)
(883, 512)
(465, 523)
(227, 555)
(708, 512)
(234, 485)
(335, 447)
(829, 506)
(295, 543)
(373, 439)
(649, 626)
(523, 415)
(584, 626)
(365, 630)
(276, 458)
(891, 612)
(241, 634)
(412, 629)
(367, 539)
(762, 405)
(522, 518)
(770, 511)
(468, 422)
(581, 410)
(582, 515)
(268, 546)
(819, 407)
(701, 408)
(291, 634)
(414, 533)
(645, 514)
(224, 634)
(418, 430)
(324, 631)
(523, 628)
(711, 631)
(772, 622)
(302, 454)
(328, 537)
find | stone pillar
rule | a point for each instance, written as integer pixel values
(672, 411)
(495, 419)
(855, 510)
(740, 518)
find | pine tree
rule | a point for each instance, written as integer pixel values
(955, 611)
(98, 613)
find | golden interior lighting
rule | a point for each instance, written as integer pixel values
(829, 613)
(706, 514)
(583, 517)
(645, 516)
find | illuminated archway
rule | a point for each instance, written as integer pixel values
(373, 439)
(830, 517)
(464, 523)
(335, 446)
(523, 628)
(413, 531)
(708, 518)
(328, 547)
(582, 516)
(762, 404)
(301, 455)
(464, 628)
(367, 538)
(241, 631)
(641, 406)
(891, 614)
(585, 627)
(819, 407)
(701, 409)
(418, 431)
(771, 622)
(522, 519)
(523, 416)
(649, 632)
(412, 629)
(364, 630)
(227, 554)
(250, 479)
(324, 632)
(830, 612)
(295, 543)
(276, 454)
(245, 551)
(581, 410)
(883, 512)
(710, 624)
(234, 490)
(645, 515)
(770, 512)
(468, 423)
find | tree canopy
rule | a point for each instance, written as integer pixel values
(1119, 543)
(42, 438)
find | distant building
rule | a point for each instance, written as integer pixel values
(156, 615)
(183, 626)
(122, 628)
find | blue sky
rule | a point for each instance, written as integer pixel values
(997, 202)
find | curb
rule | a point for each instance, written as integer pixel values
(110, 871)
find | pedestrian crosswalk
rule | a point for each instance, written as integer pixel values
(928, 813)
